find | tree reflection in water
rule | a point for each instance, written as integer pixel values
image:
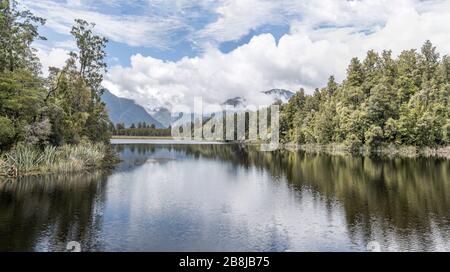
(401, 203)
(44, 213)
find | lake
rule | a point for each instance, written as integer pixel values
(207, 197)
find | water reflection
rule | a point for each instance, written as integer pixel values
(43, 214)
(231, 197)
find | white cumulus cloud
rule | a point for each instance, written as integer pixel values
(305, 57)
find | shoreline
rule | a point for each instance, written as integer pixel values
(385, 151)
(337, 149)
(109, 158)
(142, 137)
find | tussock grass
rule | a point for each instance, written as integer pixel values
(68, 158)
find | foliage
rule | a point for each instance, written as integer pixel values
(382, 101)
(74, 97)
(68, 158)
(37, 133)
(6, 132)
(18, 29)
(37, 114)
(141, 129)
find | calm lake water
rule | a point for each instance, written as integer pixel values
(231, 198)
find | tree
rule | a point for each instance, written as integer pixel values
(21, 89)
(374, 137)
(446, 133)
(371, 68)
(404, 101)
(6, 133)
(65, 107)
(332, 86)
(75, 91)
(18, 30)
(381, 104)
(90, 56)
(429, 61)
(21, 99)
(445, 69)
(355, 73)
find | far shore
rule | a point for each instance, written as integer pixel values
(143, 137)
(335, 149)
(384, 150)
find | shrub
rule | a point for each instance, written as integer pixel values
(6, 132)
(24, 158)
(374, 137)
(446, 132)
(67, 158)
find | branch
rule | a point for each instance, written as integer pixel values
(51, 91)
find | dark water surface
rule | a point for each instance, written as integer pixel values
(231, 198)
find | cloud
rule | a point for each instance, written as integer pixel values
(323, 36)
(51, 57)
(134, 30)
(305, 57)
(238, 17)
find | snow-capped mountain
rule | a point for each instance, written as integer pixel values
(279, 95)
(235, 102)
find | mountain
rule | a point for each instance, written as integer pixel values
(235, 102)
(279, 95)
(163, 116)
(123, 110)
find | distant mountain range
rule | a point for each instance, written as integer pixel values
(280, 95)
(277, 95)
(235, 102)
(123, 110)
(163, 116)
(127, 111)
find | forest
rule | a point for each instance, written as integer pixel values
(141, 129)
(383, 101)
(46, 120)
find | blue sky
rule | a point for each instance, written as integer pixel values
(180, 41)
(164, 52)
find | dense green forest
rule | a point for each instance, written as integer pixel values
(383, 101)
(141, 129)
(64, 108)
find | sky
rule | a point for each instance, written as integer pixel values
(166, 52)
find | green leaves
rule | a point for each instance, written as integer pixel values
(75, 109)
(66, 107)
(382, 101)
(90, 56)
(18, 30)
(6, 132)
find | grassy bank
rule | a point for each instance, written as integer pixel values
(386, 150)
(25, 160)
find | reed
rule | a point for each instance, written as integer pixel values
(24, 158)
(68, 158)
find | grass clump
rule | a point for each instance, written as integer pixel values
(26, 160)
